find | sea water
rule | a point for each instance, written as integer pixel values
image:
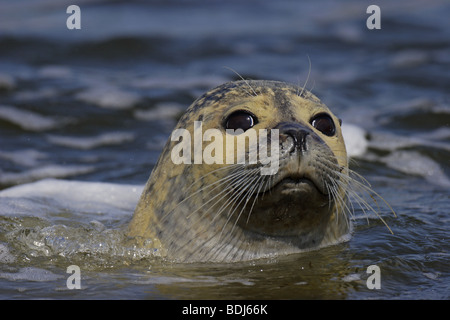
(84, 115)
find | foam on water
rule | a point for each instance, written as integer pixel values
(162, 111)
(44, 171)
(109, 97)
(70, 219)
(76, 196)
(355, 140)
(413, 163)
(104, 139)
(31, 274)
(29, 120)
(26, 157)
(399, 157)
(5, 255)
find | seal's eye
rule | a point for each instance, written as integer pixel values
(240, 120)
(324, 124)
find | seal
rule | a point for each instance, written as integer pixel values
(226, 211)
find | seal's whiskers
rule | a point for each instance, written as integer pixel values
(246, 82)
(353, 183)
(222, 194)
(251, 176)
(307, 79)
(216, 184)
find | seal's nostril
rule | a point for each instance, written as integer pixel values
(295, 132)
(299, 137)
(287, 144)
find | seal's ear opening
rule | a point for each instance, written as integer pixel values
(340, 121)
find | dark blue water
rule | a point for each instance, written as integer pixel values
(93, 107)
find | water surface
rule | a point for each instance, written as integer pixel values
(84, 115)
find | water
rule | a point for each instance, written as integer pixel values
(84, 115)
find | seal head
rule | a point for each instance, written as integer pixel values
(229, 210)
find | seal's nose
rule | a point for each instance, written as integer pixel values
(293, 136)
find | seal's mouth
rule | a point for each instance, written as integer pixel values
(295, 184)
